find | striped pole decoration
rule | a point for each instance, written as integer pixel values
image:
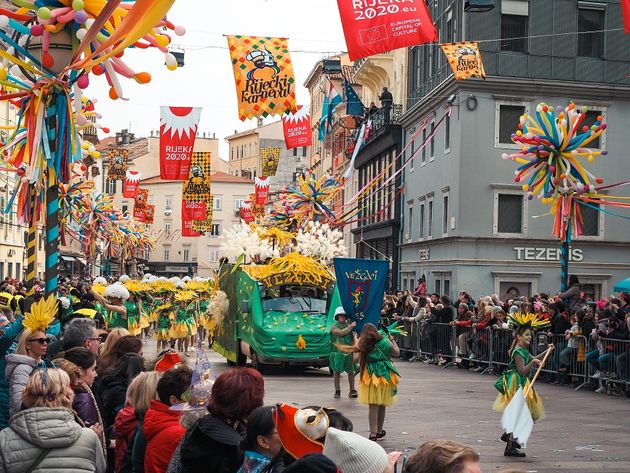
(52, 204)
(564, 260)
(31, 256)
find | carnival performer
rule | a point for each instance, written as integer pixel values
(164, 326)
(185, 327)
(516, 375)
(113, 301)
(340, 362)
(133, 305)
(378, 378)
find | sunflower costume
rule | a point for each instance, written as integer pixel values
(379, 379)
(511, 379)
(164, 322)
(133, 317)
(184, 325)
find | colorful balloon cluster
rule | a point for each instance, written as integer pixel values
(552, 144)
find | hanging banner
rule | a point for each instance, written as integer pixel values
(465, 60)
(139, 213)
(197, 185)
(263, 74)
(376, 27)
(117, 164)
(178, 128)
(361, 284)
(261, 185)
(187, 229)
(193, 210)
(270, 158)
(205, 225)
(140, 204)
(246, 212)
(149, 212)
(130, 186)
(297, 128)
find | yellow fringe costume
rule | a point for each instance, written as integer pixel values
(379, 380)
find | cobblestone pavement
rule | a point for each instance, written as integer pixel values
(583, 431)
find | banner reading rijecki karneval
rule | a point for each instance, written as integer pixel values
(297, 128)
(140, 204)
(465, 60)
(270, 158)
(263, 75)
(196, 188)
(117, 164)
(178, 128)
(372, 27)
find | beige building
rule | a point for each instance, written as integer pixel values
(175, 255)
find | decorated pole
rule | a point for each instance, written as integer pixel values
(31, 256)
(564, 261)
(52, 204)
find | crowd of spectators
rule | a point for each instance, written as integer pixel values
(592, 337)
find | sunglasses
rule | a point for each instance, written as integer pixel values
(41, 341)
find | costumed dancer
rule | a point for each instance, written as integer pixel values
(340, 362)
(516, 375)
(133, 305)
(113, 301)
(164, 326)
(378, 378)
(185, 327)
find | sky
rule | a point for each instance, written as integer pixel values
(207, 80)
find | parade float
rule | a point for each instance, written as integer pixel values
(281, 301)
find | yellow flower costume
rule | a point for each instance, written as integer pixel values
(379, 380)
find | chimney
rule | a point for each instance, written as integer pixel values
(214, 136)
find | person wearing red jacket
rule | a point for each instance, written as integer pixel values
(161, 425)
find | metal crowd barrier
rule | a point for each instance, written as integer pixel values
(614, 363)
(488, 348)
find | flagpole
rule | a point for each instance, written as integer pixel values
(540, 367)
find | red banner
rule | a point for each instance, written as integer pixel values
(149, 212)
(246, 212)
(139, 213)
(187, 229)
(178, 127)
(193, 210)
(130, 186)
(376, 27)
(297, 128)
(261, 185)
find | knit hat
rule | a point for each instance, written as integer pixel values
(314, 463)
(354, 453)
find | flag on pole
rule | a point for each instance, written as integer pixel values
(355, 151)
(331, 100)
(625, 13)
(354, 106)
(517, 419)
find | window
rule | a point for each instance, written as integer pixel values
(216, 203)
(216, 230)
(110, 186)
(421, 234)
(238, 203)
(445, 215)
(509, 213)
(186, 254)
(410, 223)
(432, 154)
(438, 286)
(125, 208)
(18, 271)
(10, 270)
(450, 27)
(423, 160)
(213, 255)
(508, 119)
(169, 202)
(447, 134)
(514, 25)
(2, 270)
(430, 218)
(295, 151)
(412, 147)
(167, 254)
(590, 220)
(589, 120)
(167, 228)
(304, 151)
(591, 19)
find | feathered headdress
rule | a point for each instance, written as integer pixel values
(527, 320)
(42, 314)
(185, 296)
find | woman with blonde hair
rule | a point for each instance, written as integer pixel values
(378, 378)
(144, 393)
(44, 436)
(113, 336)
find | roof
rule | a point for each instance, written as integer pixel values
(216, 177)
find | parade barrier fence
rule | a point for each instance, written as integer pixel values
(574, 360)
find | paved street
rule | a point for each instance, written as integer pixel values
(583, 431)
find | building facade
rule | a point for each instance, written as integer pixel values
(466, 224)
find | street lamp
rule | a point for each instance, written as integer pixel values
(56, 58)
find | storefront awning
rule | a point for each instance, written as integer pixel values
(67, 258)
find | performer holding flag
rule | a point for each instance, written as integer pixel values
(520, 404)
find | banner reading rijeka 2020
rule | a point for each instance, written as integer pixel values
(263, 74)
(361, 284)
(178, 128)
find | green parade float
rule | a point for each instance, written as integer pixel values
(279, 313)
